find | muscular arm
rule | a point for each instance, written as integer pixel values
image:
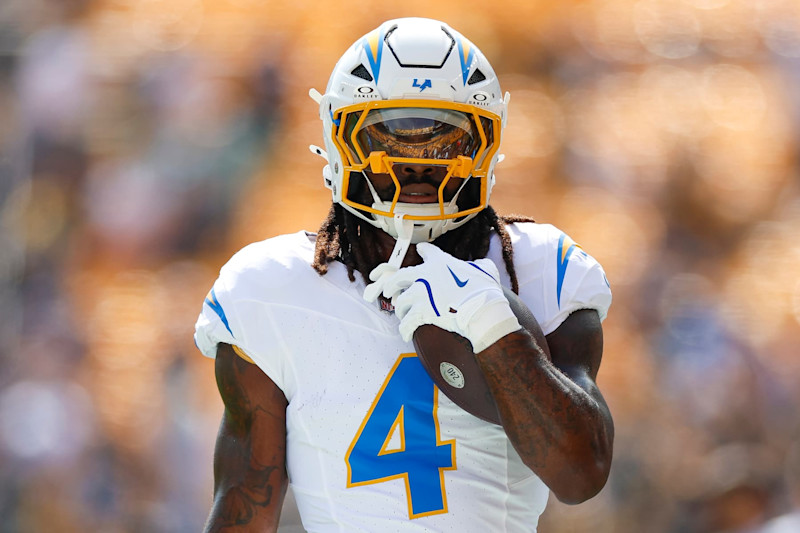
(552, 410)
(250, 456)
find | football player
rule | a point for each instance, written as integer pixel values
(312, 333)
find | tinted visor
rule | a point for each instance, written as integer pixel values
(419, 133)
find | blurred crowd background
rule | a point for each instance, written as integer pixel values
(142, 142)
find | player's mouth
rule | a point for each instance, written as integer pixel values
(419, 193)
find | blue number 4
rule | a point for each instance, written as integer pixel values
(399, 439)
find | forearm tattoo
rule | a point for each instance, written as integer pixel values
(541, 407)
(249, 466)
(240, 504)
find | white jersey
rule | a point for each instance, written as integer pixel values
(371, 443)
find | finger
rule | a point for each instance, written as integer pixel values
(372, 291)
(488, 268)
(404, 301)
(400, 281)
(379, 275)
(394, 286)
(409, 325)
(429, 252)
(381, 270)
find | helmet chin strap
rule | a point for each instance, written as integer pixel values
(405, 229)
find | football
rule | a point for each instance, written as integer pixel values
(449, 360)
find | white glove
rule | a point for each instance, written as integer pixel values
(379, 275)
(464, 297)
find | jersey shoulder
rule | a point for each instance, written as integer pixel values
(534, 244)
(273, 271)
(271, 263)
(556, 274)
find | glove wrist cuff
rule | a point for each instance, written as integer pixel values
(492, 322)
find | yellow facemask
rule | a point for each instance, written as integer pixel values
(373, 136)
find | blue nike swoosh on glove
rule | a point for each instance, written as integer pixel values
(430, 294)
(458, 281)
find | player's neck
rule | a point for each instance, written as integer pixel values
(385, 244)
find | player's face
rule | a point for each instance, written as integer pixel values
(419, 183)
(421, 137)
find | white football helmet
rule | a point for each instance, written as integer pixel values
(412, 93)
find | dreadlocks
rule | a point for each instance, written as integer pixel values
(339, 239)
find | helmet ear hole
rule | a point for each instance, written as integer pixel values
(476, 77)
(361, 72)
(327, 179)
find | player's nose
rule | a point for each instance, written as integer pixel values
(420, 170)
(416, 169)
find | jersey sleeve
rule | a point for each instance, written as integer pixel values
(214, 325)
(568, 279)
(239, 310)
(581, 282)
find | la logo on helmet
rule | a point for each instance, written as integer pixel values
(425, 84)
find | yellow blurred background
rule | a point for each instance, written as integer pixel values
(142, 142)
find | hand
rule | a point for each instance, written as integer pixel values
(464, 297)
(379, 275)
